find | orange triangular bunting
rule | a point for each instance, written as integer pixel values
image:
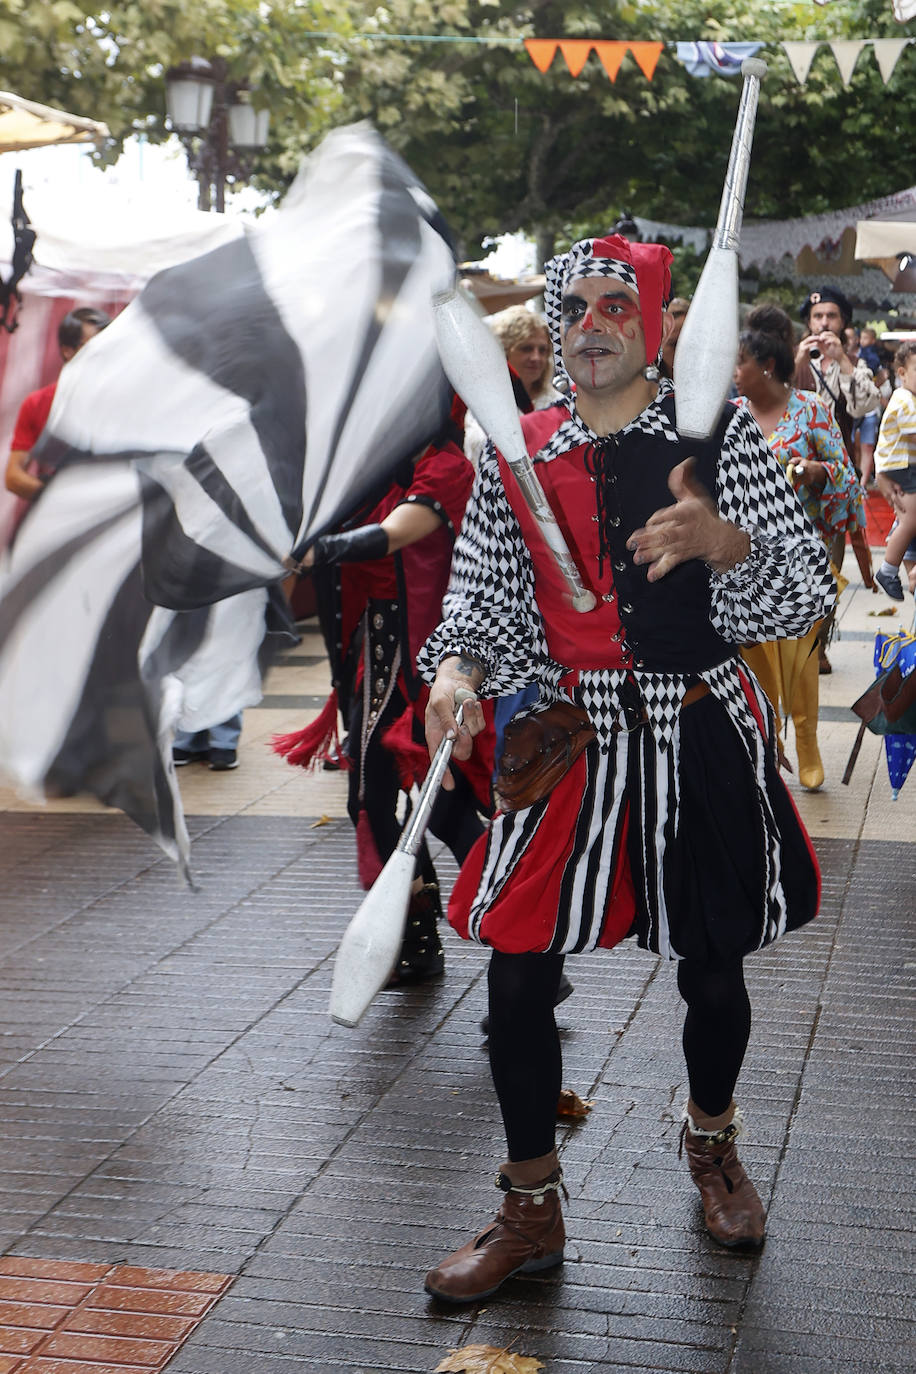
(576, 51)
(542, 51)
(611, 54)
(647, 55)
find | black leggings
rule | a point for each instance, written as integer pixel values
(717, 1028)
(524, 1045)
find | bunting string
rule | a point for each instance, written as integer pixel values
(700, 58)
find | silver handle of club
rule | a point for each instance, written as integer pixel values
(731, 209)
(410, 840)
(582, 599)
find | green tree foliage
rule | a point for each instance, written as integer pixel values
(110, 64)
(504, 146)
(501, 145)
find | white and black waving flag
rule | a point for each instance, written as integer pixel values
(246, 401)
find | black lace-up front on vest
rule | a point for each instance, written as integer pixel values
(599, 464)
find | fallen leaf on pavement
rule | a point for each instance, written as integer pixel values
(322, 820)
(571, 1105)
(888, 610)
(487, 1359)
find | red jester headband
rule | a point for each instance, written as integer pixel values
(644, 267)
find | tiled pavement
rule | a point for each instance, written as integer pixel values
(58, 1316)
(174, 1097)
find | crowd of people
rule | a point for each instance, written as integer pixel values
(664, 816)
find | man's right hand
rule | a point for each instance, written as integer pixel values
(828, 345)
(458, 671)
(18, 479)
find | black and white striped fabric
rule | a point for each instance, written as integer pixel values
(242, 404)
(636, 783)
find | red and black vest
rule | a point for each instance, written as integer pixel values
(659, 626)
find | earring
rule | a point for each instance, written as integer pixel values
(650, 371)
(767, 374)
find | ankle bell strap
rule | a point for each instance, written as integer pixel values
(733, 1131)
(550, 1185)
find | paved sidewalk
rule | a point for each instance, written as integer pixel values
(173, 1097)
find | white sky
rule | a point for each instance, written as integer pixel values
(152, 181)
(144, 172)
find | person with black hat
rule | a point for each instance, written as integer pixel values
(822, 364)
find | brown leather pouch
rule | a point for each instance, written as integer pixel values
(888, 707)
(538, 750)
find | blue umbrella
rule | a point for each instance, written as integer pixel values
(900, 751)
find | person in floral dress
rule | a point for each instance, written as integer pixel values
(806, 439)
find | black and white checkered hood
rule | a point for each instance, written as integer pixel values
(580, 261)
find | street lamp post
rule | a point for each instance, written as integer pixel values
(217, 124)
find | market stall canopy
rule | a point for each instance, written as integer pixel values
(496, 294)
(883, 242)
(26, 124)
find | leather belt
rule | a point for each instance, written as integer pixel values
(694, 693)
(699, 689)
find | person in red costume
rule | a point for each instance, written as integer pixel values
(673, 824)
(74, 331)
(380, 584)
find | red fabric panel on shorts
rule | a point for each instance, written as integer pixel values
(523, 917)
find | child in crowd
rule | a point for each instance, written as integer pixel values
(895, 466)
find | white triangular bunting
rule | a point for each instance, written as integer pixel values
(887, 50)
(846, 52)
(800, 56)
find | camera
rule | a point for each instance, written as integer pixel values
(814, 353)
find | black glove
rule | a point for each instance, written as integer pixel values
(352, 546)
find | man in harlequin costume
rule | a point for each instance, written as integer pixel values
(380, 585)
(673, 825)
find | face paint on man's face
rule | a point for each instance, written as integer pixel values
(602, 333)
(614, 307)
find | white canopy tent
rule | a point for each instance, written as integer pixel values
(26, 124)
(100, 251)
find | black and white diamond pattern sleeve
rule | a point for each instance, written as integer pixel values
(489, 609)
(785, 585)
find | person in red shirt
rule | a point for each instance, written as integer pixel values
(74, 330)
(380, 583)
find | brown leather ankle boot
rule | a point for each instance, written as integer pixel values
(526, 1235)
(731, 1205)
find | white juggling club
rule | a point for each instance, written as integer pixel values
(372, 941)
(476, 366)
(707, 346)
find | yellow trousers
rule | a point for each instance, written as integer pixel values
(787, 670)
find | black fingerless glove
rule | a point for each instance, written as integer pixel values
(352, 546)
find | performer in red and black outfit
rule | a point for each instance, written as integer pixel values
(380, 585)
(673, 825)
